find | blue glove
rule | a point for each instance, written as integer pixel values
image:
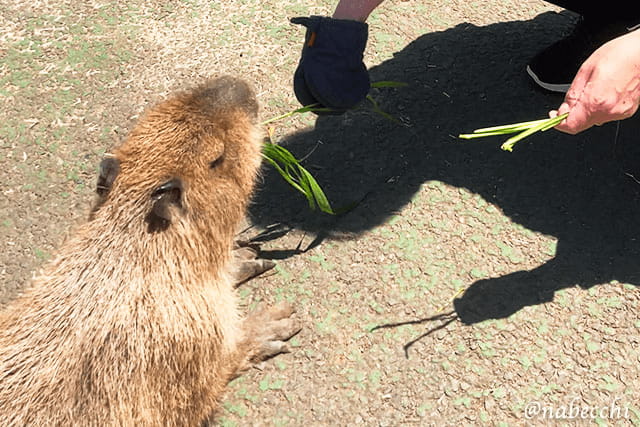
(331, 72)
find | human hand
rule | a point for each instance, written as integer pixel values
(606, 88)
(331, 72)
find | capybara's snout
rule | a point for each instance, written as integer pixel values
(228, 93)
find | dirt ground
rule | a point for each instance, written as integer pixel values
(469, 286)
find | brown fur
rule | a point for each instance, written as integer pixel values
(135, 322)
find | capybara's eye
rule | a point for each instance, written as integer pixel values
(215, 163)
(170, 191)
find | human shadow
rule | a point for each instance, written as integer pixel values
(576, 188)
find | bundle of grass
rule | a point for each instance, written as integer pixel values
(297, 176)
(525, 128)
(294, 173)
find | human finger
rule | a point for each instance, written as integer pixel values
(578, 86)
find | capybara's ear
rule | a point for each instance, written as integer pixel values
(109, 169)
(164, 197)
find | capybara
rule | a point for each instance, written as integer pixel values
(136, 320)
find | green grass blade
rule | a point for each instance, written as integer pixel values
(318, 194)
(284, 154)
(301, 110)
(297, 176)
(555, 122)
(525, 128)
(388, 83)
(377, 109)
(518, 126)
(482, 135)
(315, 107)
(549, 123)
(306, 185)
(291, 169)
(284, 174)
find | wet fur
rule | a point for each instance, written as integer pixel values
(134, 324)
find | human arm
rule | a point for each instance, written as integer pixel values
(606, 88)
(355, 10)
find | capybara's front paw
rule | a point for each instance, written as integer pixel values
(247, 263)
(267, 330)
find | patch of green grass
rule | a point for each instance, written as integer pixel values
(543, 328)
(478, 370)
(635, 418)
(591, 346)
(226, 422)
(408, 295)
(276, 31)
(357, 377)
(540, 356)
(245, 292)
(612, 302)
(594, 309)
(243, 393)
(476, 238)
(41, 255)
(479, 393)
(269, 384)
(492, 210)
(487, 349)
(562, 299)
(477, 273)
(322, 261)
(507, 252)
(284, 274)
(279, 422)
(294, 342)
(238, 409)
(376, 307)
(539, 390)
(374, 378)
(525, 362)
(609, 384)
(464, 401)
(498, 393)
(326, 325)
(421, 410)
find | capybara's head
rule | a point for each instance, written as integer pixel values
(189, 164)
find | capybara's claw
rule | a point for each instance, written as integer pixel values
(269, 328)
(247, 264)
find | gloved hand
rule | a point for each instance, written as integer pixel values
(331, 72)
